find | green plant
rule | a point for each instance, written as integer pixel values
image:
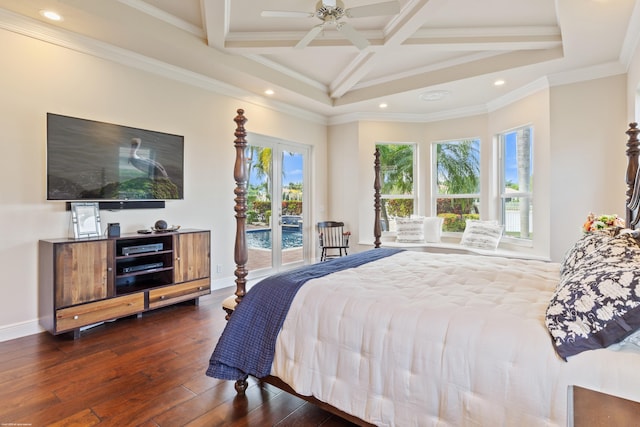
(399, 207)
(456, 223)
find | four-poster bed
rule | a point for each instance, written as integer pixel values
(393, 337)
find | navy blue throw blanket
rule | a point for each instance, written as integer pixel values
(248, 342)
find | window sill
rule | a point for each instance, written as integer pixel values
(458, 248)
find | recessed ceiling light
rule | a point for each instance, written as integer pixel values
(51, 15)
(434, 95)
(383, 105)
(269, 92)
(499, 82)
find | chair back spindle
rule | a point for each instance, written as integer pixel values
(333, 239)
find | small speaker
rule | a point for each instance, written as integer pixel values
(113, 229)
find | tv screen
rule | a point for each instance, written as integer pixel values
(90, 160)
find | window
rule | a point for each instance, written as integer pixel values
(397, 188)
(456, 182)
(516, 182)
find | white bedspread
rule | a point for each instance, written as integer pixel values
(424, 339)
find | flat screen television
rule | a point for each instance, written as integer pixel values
(90, 160)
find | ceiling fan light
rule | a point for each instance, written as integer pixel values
(434, 95)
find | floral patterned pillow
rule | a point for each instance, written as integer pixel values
(599, 303)
(583, 247)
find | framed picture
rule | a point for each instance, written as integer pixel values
(85, 217)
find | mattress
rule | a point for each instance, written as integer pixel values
(425, 339)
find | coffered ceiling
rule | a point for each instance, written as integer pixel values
(432, 59)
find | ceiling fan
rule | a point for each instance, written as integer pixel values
(331, 12)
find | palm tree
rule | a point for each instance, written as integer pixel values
(458, 171)
(396, 164)
(259, 158)
(523, 159)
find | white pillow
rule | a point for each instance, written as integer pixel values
(410, 230)
(433, 229)
(482, 234)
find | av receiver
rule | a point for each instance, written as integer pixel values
(151, 247)
(142, 267)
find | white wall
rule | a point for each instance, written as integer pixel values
(633, 88)
(588, 160)
(39, 77)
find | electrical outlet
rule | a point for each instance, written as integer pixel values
(219, 268)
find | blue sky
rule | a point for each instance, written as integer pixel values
(292, 167)
(511, 173)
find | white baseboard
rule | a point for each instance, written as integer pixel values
(19, 330)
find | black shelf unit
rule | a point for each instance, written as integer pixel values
(142, 264)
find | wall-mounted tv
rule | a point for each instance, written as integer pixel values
(90, 160)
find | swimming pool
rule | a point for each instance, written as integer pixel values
(261, 238)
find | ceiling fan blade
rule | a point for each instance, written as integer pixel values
(354, 37)
(309, 36)
(286, 14)
(376, 9)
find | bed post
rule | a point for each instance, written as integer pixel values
(240, 254)
(633, 190)
(376, 199)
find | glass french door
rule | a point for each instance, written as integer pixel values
(277, 206)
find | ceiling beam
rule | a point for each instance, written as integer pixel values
(457, 72)
(410, 19)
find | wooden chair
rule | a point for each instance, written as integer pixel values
(332, 237)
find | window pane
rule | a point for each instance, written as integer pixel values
(458, 167)
(517, 186)
(518, 161)
(396, 166)
(392, 209)
(258, 188)
(456, 211)
(518, 217)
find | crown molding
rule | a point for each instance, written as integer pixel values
(593, 72)
(518, 94)
(632, 38)
(457, 113)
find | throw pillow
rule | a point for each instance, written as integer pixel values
(433, 229)
(594, 308)
(482, 234)
(598, 304)
(588, 243)
(410, 230)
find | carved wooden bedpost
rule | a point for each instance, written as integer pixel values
(633, 192)
(240, 254)
(376, 197)
(240, 174)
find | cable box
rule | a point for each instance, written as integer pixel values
(139, 249)
(142, 267)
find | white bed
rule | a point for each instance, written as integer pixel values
(455, 340)
(428, 339)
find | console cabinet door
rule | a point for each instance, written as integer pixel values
(192, 256)
(82, 272)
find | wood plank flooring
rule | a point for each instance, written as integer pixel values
(146, 371)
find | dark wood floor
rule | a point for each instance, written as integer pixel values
(147, 371)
